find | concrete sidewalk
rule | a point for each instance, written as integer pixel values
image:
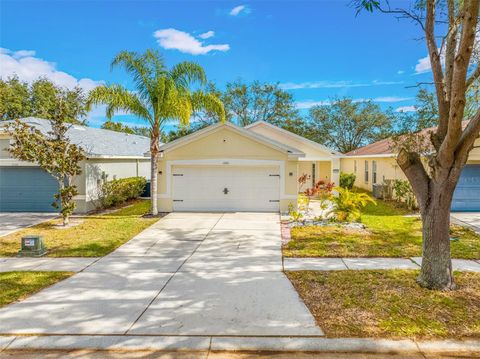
(326, 264)
(247, 344)
(45, 264)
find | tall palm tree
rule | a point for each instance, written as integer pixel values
(160, 95)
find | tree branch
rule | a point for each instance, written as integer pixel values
(459, 78)
(411, 165)
(468, 138)
(451, 45)
(437, 71)
(474, 76)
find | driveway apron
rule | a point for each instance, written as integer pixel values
(188, 274)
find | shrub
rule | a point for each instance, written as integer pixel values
(347, 180)
(402, 192)
(347, 204)
(294, 214)
(303, 202)
(121, 190)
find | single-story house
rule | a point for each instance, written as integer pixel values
(225, 167)
(375, 163)
(25, 187)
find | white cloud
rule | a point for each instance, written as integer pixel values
(237, 10)
(406, 109)
(311, 103)
(172, 39)
(423, 65)
(386, 99)
(400, 72)
(335, 84)
(391, 99)
(207, 35)
(29, 68)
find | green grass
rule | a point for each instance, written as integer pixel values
(390, 233)
(96, 236)
(18, 285)
(389, 304)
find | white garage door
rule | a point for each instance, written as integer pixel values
(222, 188)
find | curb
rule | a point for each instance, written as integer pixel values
(208, 343)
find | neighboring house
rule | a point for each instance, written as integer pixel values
(24, 187)
(224, 167)
(375, 163)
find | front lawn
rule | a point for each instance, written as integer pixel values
(18, 285)
(389, 304)
(391, 232)
(95, 236)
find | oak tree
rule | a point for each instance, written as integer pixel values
(450, 31)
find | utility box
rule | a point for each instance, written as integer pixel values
(32, 246)
(378, 190)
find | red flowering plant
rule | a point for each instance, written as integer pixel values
(302, 180)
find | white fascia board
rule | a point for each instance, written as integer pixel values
(107, 157)
(383, 155)
(294, 135)
(249, 134)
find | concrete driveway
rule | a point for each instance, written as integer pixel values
(189, 274)
(471, 219)
(14, 221)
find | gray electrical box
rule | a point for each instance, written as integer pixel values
(32, 246)
(378, 190)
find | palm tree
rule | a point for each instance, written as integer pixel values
(160, 95)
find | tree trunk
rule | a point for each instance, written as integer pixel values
(65, 216)
(154, 150)
(436, 271)
(153, 183)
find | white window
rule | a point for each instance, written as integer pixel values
(366, 171)
(355, 166)
(374, 171)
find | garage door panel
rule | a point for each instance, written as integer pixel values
(26, 189)
(467, 193)
(250, 188)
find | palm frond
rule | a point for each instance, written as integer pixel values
(118, 98)
(208, 102)
(142, 67)
(186, 73)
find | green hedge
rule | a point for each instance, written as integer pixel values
(121, 190)
(347, 180)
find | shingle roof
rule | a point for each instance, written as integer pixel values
(97, 141)
(382, 147)
(387, 146)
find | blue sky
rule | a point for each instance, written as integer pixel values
(315, 49)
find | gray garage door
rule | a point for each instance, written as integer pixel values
(26, 189)
(467, 193)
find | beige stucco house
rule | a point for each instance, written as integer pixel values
(228, 168)
(375, 163)
(25, 187)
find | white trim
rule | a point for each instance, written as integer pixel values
(290, 151)
(316, 159)
(223, 162)
(383, 155)
(12, 162)
(108, 157)
(294, 135)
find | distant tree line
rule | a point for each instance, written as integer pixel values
(343, 124)
(19, 99)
